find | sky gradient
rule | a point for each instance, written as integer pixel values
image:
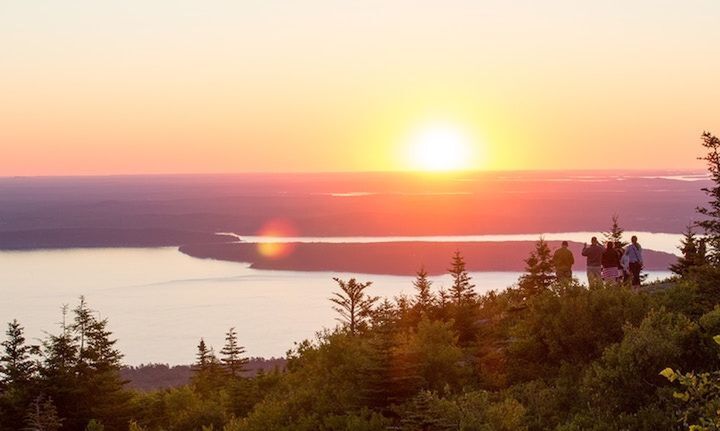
(126, 87)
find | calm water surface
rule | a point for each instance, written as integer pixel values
(160, 301)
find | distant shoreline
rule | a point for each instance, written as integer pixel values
(403, 257)
(43, 239)
(395, 258)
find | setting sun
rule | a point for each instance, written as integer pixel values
(441, 147)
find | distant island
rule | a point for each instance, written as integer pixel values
(396, 258)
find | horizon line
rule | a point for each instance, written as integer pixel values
(358, 172)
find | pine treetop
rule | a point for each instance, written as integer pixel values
(231, 354)
(202, 357)
(693, 252)
(539, 270)
(615, 234)
(352, 303)
(16, 364)
(423, 296)
(462, 291)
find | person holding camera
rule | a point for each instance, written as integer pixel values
(594, 254)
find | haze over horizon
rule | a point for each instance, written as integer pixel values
(694, 174)
(98, 88)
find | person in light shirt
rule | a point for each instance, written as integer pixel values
(623, 273)
(633, 256)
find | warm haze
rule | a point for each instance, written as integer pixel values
(367, 215)
(188, 87)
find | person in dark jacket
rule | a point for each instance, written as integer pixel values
(593, 253)
(610, 263)
(563, 261)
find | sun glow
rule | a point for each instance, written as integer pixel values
(440, 147)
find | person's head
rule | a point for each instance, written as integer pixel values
(593, 240)
(633, 239)
(565, 244)
(609, 245)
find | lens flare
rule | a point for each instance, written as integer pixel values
(271, 246)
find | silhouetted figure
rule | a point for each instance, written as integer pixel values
(623, 270)
(563, 261)
(633, 255)
(610, 263)
(594, 255)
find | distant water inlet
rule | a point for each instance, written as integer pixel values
(666, 242)
(160, 302)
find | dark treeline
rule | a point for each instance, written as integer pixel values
(161, 376)
(542, 354)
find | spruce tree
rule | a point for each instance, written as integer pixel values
(103, 382)
(463, 308)
(711, 212)
(98, 369)
(42, 416)
(202, 357)
(701, 255)
(232, 355)
(17, 377)
(692, 255)
(81, 372)
(353, 304)
(215, 373)
(16, 364)
(209, 374)
(374, 371)
(442, 305)
(403, 304)
(60, 351)
(539, 274)
(385, 315)
(424, 298)
(462, 291)
(58, 368)
(615, 234)
(82, 321)
(384, 377)
(100, 350)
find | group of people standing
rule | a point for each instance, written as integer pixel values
(609, 263)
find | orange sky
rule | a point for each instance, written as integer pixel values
(120, 87)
